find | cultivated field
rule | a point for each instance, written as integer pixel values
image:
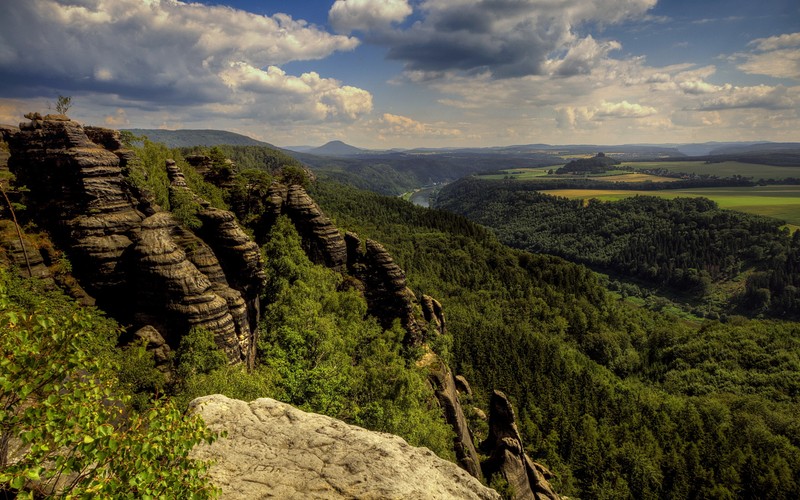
(724, 169)
(780, 202)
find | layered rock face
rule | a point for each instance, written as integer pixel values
(507, 456)
(77, 188)
(143, 267)
(322, 241)
(276, 448)
(445, 388)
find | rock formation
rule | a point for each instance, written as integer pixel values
(320, 238)
(173, 294)
(144, 268)
(507, 456)
(77, 188)
(273, 449)
(444, 386)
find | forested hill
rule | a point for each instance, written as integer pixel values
(686, 244)
(618, 401)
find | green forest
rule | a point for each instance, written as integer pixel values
(619, 401)
(744, 263)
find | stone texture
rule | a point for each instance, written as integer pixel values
(173, 295)
(387, 295)
(78, 191)
(143, 267)
(507, 456)
(273, 450)
(444, 386)
(321, 239)
(433, 313)
(155, 344)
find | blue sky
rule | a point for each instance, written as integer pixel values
(406, 73)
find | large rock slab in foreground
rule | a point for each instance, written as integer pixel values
(273, 450)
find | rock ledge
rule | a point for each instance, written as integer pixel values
(273, 450)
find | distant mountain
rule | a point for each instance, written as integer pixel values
(336, 148)
(760, 147)
(187, 138)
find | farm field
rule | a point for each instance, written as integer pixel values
(723, 169)
(541, 174)
(780, 202)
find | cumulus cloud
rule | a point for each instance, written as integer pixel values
(350, 15)
(582, 57)
(509, 38)
(777, 56)
(169, 53)
(396, 125)
(757, 96)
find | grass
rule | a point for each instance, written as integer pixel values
(780, 202)
(723, 169)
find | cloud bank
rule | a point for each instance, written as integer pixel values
(172, 53)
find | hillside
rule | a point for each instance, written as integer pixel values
(187, 137)
(522, 368)
(336, 148)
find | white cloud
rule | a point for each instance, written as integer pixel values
(118, 119)
(623, 109)
(758, 96)
(173, 54)
(396, 125)
(776, 56)
(349, 15)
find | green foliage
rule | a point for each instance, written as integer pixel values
(198, 354)
(148, 172)
(63, 421)
(291, 174)
(688, 245)
(619, 402)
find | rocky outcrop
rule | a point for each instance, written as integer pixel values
(507, 456)
(155, 344)
(173, 294)
(433, 312)
(77, 189)
(143, 267)
(275, 450)
(321, 239)
(444, 386)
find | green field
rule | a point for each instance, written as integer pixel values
(780, 202)
(724, 169)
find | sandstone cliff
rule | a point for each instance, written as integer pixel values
(140, 264)
(507, 456)
(273, 447)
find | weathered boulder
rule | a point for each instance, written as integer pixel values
(273, 450)
(444, 386)
(433, 312)
(155, 344)
(507, 456)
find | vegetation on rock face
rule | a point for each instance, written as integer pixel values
(65, 424)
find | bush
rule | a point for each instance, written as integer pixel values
(64, 427)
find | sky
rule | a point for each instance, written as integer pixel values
(413, 73)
